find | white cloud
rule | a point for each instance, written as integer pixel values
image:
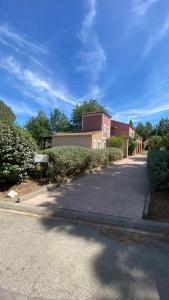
(35, 83)
(141, 7)
(88, 21)
(92, 55)
(16, 38)
(158, 36)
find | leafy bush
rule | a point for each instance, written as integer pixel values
(165, 141)
(115, 141)
(155, 142)
(158, 169)
(132, 145)
(73, 160)
(114, 154)
(16, 153)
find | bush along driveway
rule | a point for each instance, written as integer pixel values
(119, 190)
(158, 171)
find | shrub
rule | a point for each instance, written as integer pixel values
(132, 145)
(165, 141)
(114, 154)
(158, 169)
(115, 141)
(155, 142)
(16, 153)
(70, 160)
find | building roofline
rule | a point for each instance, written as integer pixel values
(123, 123)
(81, 133)
(96, 112)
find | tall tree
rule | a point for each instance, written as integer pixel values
(145, 131)
(6, 113)
(131, 124)
(38, 127)
(59, 122)
(162, 127)
(91, 105)
(140, 129)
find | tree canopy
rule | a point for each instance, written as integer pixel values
(91, 105)
(6, 113)
(162, 127)
(59, 122)
(38, 127)
(131, 124)
(145, 131)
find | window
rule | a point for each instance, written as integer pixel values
(105, 128)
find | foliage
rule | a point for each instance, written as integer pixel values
(158, 169)
(132, 145)
(6, 113)
(162, 127)
(38, 127)
(16, 153)
(131, 124)
(155, 142)
(73, 160)
(115, 141)
(114, 153)
(145, 131)
(165, 141)
(59, 122)
(91, 105)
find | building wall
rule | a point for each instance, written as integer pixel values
(106, 126)
(92, 122)
(120, 129)
(131, 132)
(97, 141)
(82, 141)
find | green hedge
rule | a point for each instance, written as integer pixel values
(115, 141)
(17, 151)
(70, 160)
(158, 169)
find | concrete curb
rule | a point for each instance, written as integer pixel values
(118, 223)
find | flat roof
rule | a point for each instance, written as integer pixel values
(76, 133)
(96, 112)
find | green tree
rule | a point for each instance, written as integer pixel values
(162, 127)
(59, 122)
(145, 131)
(140, 129)
(131, 124)
(6, 113)
(38, 127)
(91, 105)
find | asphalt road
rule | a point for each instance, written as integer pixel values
(47, 259)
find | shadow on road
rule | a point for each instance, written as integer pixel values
(131, 267)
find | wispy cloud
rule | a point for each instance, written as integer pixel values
(138, 114)
(141, 7)
(7, 33)
(158, 36)
(19, 107)
(35, 82)
(92, 55)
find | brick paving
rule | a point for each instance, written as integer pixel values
(118, 190)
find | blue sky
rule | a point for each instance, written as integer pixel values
(58, 53)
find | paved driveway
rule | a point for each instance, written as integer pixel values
(118, 190)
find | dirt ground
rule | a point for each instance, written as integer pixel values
(22, 188)
(159, 206)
